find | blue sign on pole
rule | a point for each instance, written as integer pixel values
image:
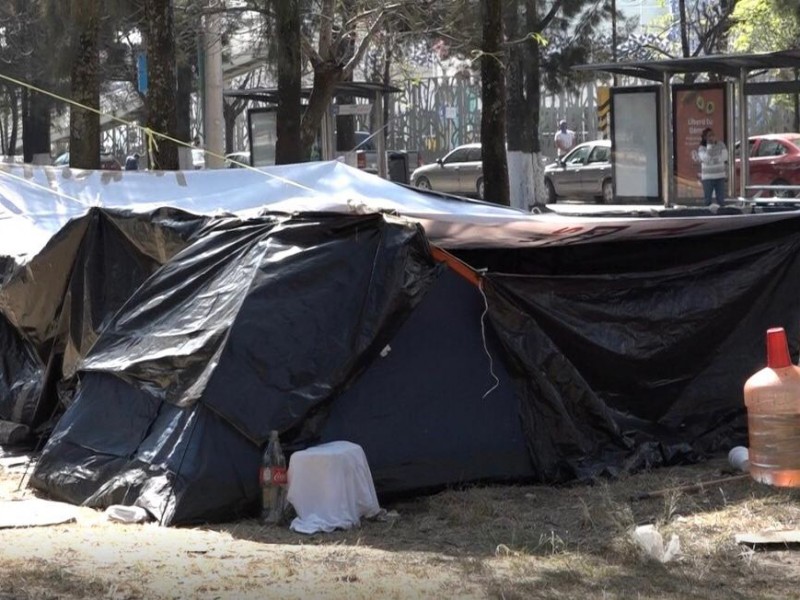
(141, 68)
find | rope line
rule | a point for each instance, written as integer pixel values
(485, 346)
(150, 134)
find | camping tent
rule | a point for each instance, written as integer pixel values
(580, 347)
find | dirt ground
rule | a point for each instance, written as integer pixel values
(509, 542)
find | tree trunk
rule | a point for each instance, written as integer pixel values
(326, 78)
(493, 95)
(229, 116)
(533, 88)
(684, 29)
(231, 111)
(8, 126)
(183, 124)
(183, 101)
(288, 146)
(345, 126)
(35, 126)
(389, 131)
(12, 136)
(84, 125)
(518, 121)
(162, 82)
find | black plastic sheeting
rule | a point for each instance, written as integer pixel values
(53, 307)
(250, 328)
(608, 357)
(664, 333)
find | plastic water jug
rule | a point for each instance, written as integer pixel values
(772, 397)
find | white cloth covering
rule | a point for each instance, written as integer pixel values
(330, 487)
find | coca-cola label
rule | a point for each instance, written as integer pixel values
(273, 475)
(279, 476)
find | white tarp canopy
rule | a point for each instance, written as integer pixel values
(35, 202)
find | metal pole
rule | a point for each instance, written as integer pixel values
(380, 138)
(665, 141)
(744, 144)
(730, 132)
(614, 36)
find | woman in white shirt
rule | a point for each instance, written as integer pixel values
(713, 156)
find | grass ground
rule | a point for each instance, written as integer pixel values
(493, 542)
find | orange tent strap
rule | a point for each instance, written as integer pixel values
(459, 267)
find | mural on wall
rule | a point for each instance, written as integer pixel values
(434, 115)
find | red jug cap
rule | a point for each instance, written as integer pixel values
(777, 349)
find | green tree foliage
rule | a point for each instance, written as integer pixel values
(700, 27)
(766, 25)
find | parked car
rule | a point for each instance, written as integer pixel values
(584, 172)
(107, 161)
(774, 159)
(459, 172)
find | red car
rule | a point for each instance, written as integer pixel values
(774, 159)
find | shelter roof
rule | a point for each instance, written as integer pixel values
(360, 89)
(721, 64)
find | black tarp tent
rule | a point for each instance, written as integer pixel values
(567, 361)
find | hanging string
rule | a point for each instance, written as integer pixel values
(483, 337)
(150, 135)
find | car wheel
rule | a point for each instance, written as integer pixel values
(423, 183)
(783, 193)
(608, 192)
(551, 192)
(480, 188)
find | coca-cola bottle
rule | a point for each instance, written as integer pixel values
(273, 482)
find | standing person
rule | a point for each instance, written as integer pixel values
(132, 162)
(713, 156)
(565, 139)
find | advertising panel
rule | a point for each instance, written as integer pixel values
(634, 138)
(263, 136)
(694, 108)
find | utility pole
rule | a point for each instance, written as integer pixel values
(213, 119)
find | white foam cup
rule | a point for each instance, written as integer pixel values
(739, 457)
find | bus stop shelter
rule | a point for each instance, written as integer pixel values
(372, 103)
(736, 70)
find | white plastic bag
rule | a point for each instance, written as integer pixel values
(650, 540)
(127, 514)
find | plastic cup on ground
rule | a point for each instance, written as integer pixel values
(739, 458)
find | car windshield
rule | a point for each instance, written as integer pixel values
(457, 155)
(599, 154)
(577, 156)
